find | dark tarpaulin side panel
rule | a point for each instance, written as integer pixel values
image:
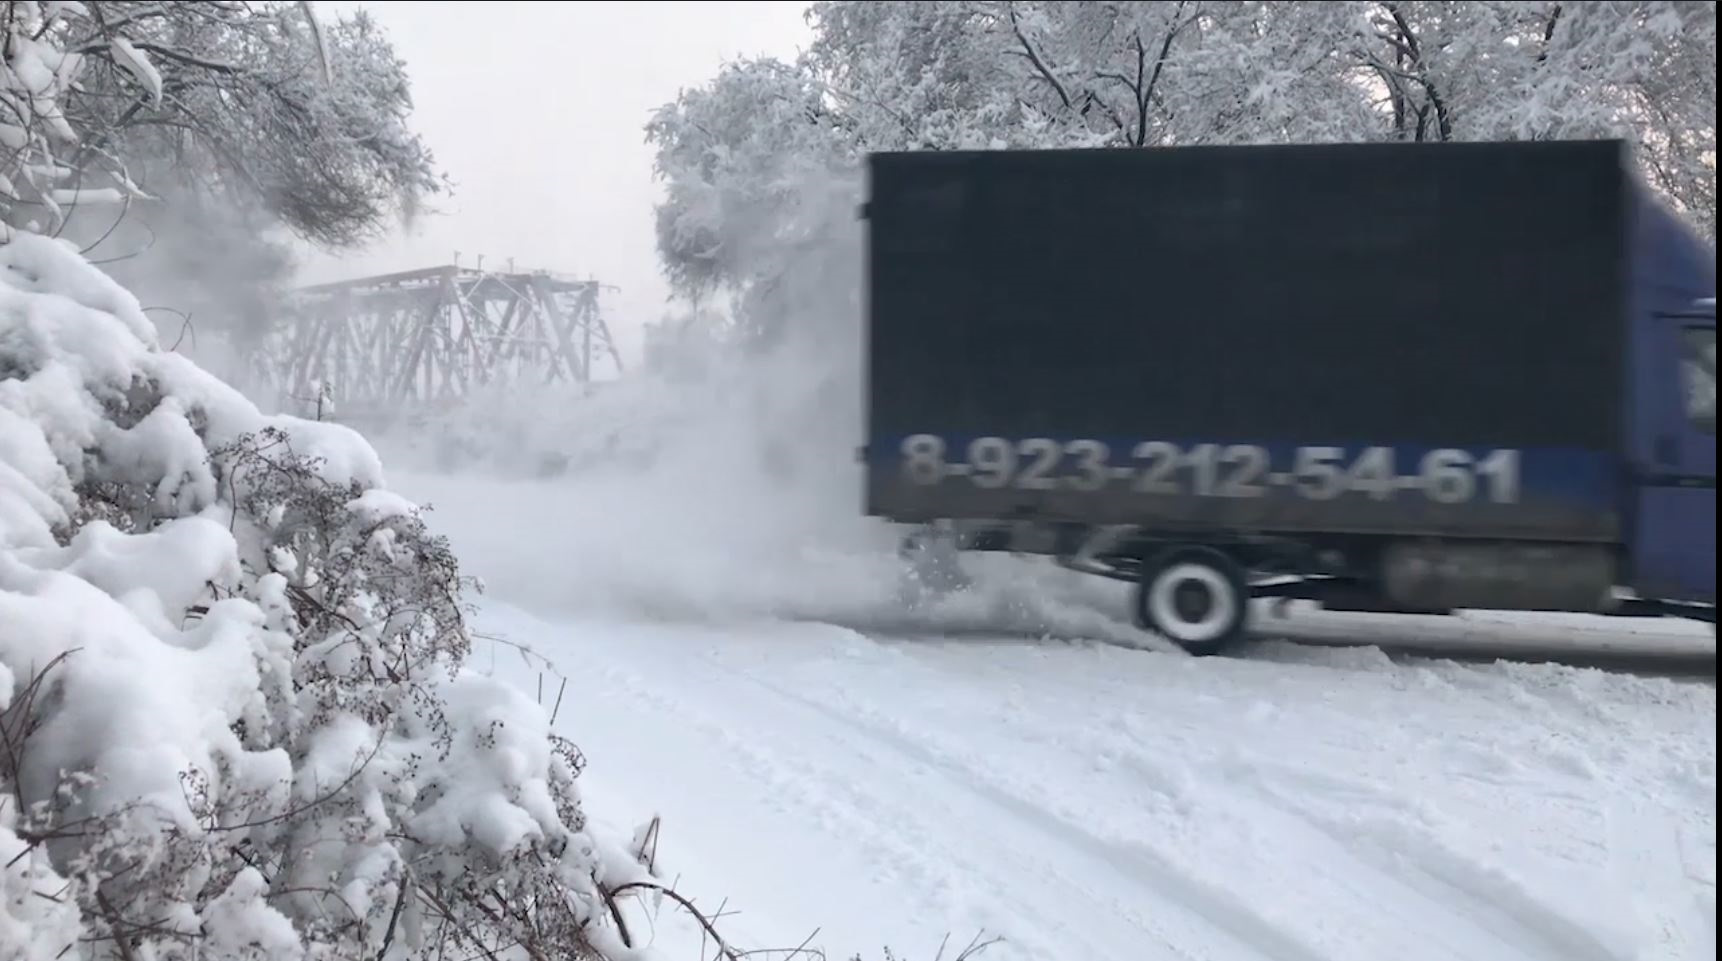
(1413, 296)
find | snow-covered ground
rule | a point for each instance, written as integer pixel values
(823, 760)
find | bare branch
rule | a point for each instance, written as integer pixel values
(1040, 66)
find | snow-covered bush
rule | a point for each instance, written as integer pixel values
(234, 718)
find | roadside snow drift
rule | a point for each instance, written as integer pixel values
(234, 720)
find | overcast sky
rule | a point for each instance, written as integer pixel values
(537, 112)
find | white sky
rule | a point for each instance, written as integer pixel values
(536, 111)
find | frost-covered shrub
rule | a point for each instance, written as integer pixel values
(234, 719)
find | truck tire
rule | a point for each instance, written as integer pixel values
(1196, 597)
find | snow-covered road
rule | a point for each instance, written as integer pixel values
(1088, 802)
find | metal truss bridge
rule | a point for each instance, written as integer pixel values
(411, 342)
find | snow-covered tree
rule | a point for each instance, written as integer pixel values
(760, 165)
(953, 75)
(1644, 71)
(257, 103)
(738, 155)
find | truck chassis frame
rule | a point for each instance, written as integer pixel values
(1342, 572)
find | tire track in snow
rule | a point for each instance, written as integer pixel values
(1431, 910)
(934, 865)
(1419, 916)
(1648, 844)
(1479, 896)
(1228, 919)
(1449, 890)
(1538, 768)
(1410, 855)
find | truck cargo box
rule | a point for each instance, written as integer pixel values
(1392, 339)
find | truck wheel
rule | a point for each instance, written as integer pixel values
(1196, 597)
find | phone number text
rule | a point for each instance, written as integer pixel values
(1444, 475)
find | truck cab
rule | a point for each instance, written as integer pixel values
(1671, 529)
(1673, 548)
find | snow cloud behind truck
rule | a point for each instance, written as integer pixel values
(1358, 363)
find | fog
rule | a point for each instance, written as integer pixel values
(537, 113)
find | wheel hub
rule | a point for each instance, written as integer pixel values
(1193, 601)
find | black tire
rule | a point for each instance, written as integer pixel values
(1196, 597)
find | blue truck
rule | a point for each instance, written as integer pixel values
(1405, 378)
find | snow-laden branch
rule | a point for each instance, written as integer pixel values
(261, 104)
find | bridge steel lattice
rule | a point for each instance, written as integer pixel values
(429, 338)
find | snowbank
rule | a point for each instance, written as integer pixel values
(234, 718)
